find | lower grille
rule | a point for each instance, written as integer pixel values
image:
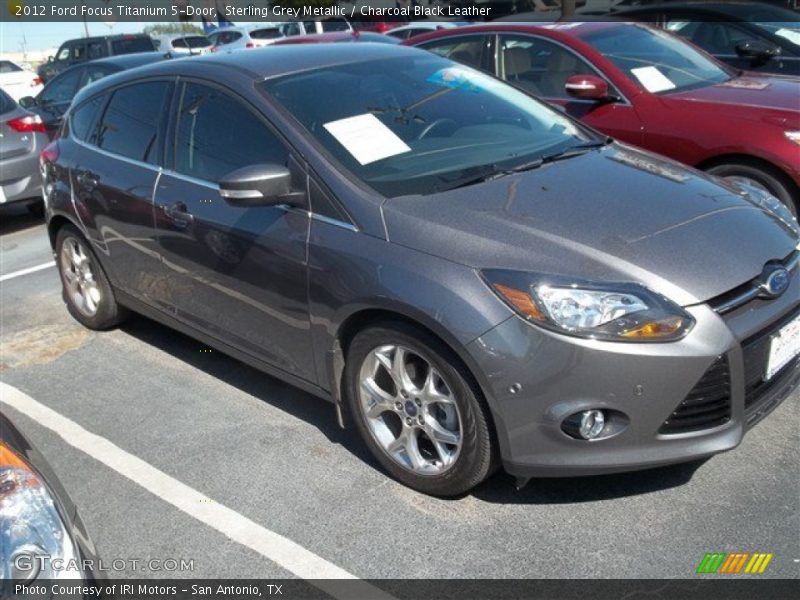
(707, 405)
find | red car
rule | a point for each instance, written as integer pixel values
(648, 88)
(338, 36)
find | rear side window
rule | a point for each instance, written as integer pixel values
(6, 103)
(217, 134)
(191, 42)
(84, 117)
(96, 50)
(6, 66)
(130, 123)
(131, 45)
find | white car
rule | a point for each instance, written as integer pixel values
(245, 36)
(18, 82)
(182, 44)
(311, 27)
(419, 27)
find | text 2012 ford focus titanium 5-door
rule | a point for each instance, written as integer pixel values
(473, 277)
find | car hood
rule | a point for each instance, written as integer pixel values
(614, 214)
(749, 91)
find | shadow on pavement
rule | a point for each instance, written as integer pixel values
(499, 488)
(570, 490)
(16, 217)
(315, 411)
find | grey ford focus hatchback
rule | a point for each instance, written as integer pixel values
(472, 278)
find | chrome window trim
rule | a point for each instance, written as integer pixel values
(132, 161)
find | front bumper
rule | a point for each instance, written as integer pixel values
(534, 379)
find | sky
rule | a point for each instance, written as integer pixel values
(44, 35)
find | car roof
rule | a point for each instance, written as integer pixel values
(555, 30)
(263, 63)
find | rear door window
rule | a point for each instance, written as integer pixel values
(130, 124)
(6, 103)
(269, 33)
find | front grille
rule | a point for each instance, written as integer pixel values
(755, 351)
(707, 405)
(747, 292)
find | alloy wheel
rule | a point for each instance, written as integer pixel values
(79, 278)
(410, 410)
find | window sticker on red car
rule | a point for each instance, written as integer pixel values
(366, 138)
(457, 78)
(744, 84)
(652, 79)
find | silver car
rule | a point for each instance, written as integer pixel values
(182, 44)
(22, 138)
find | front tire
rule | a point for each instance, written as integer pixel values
(86, 289)
(416, 409)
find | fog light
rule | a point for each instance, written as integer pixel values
(591, 424)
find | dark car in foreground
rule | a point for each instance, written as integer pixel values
(747, 35)
(651, 89)
(54, 100)
(81, 50)
(42, 537)
(473, 277)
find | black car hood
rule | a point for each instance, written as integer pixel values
(614, 214)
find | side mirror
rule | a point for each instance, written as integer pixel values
(27, 102)
(50, 59)
(587, 87)
(260, 185)
(757, 50)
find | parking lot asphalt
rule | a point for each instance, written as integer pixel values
(274, 455)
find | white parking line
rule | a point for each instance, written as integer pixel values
(22, 272)
(277, 548)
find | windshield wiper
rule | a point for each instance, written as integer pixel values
(494, 171)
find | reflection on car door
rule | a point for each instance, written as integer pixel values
(238, 273)
(542, 67)
(114, 178)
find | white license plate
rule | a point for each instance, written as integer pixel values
(783, 347)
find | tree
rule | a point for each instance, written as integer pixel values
(160, 28)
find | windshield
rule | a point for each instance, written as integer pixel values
(420, 124)
(788, 31)
(656, 60)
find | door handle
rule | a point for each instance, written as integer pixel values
(86, 179)
(178, 213)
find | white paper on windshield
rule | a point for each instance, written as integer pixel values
(652, 79)
(793, 35)
(366, 138)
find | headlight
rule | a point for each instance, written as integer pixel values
(32, 534)
(793, 136)
(623, 312)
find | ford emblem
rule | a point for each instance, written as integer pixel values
(775, 282)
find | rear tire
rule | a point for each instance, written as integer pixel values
(432, 431)
(86, 290)
(764, 176)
